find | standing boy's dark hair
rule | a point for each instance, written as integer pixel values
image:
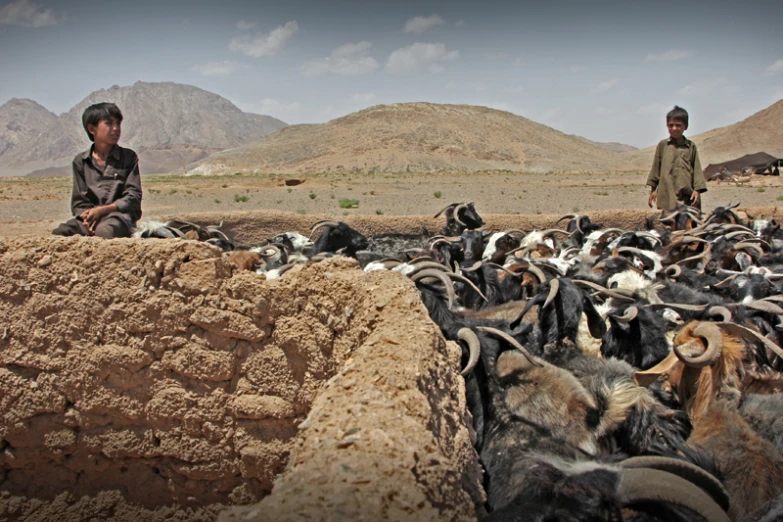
(677, 114)
(100, 111)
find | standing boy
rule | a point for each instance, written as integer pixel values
(106, 198)
(676, 173)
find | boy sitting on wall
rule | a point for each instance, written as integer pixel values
(106, 198)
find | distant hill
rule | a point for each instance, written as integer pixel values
(21, 122)
(761, 132)
(612, 146)
(168, 124)
(412, 137)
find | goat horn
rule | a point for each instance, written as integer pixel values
(678, 306)
(691, 239)
(603, 290)
(648, 235)
(630, 314)
(707, 251)
(552, 231)
(472, 268)
(271, 246)
(323, 223)
(503, 268)
(177, 232)
(722, 311)
(456, 213)
(510, 340)
(554, 288)
(652, 485)
(445, 209)
(474, 348)
(441, 276)
(468, 282)
(509, 231)
(670, 217)
(685, 470)
(726, 282)
(747, 333)
(611, 231)
(745, 245)
(673, 271)
(551, 268)
(532, 268)
(425, 265)
(765, 306)
(732, 235)
(776, 298)
(712, 335)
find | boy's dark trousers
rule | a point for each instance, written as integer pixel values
(109, 227)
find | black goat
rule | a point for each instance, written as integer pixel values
(460, 216)
(636, 336)
(338, 238)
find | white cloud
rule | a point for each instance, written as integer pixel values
(704, 87)
(264, 44)
(26, 14)
(420, 24)
(363, 97)
(245, 25)
(350, 59)
(418, 56)
(459, 23)
(669, 56)
(775, 68)
(576, 68)
(217, 68)
(605, 86)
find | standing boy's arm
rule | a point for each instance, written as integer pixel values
(655, 176)
(79, 200)
(699, 183)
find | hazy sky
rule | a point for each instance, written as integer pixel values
(605, 70)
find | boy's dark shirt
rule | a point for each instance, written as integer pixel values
(119, 183)
(676, 172)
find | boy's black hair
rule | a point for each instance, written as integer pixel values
(677, 114)
(100, 111)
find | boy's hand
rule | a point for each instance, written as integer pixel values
(92, 216)
(654, 197)
(695, 197)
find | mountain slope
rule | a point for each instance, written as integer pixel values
(168, 124)
(413, 137)
(22, 121)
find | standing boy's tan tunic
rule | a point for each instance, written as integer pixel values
(676, 173)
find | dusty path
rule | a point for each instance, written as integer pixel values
(36, 205)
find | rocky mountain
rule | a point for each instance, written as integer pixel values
(21, 122)
(612, 146)
(412, 137)
(761, 132)
(168, 124)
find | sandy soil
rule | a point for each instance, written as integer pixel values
(38, 205)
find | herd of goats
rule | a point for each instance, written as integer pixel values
(611, 375)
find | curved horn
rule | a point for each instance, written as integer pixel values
(630, 314)
(533, 269)
(472, 268)
(445, 209)
(712, 335)
(678, 306)
(456, 213)
(652, 485)
(554, 288)
(474, 348)
(603, 290)
(424, 265)
(322, 223)
(747, 333)
(648, 235)
(440, 276)
(721, 311)
(510, 340)
(685, 470)
(746, 245)
(467, 281)
(552, 231)
(673, 271)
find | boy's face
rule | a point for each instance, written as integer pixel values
(107, 131)
(676, 128)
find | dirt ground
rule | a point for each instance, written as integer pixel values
(36, 205)
(152, 380)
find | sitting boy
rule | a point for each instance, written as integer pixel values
(106, 198)
(676, 173)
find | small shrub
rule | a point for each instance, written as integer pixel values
(217, 200)
(188, 191)
(290, 190)
(349, 203)
(278, 201)
(301, 211)
(237, 173)
(331, 196)
(312, 196)
(240, 199)
(372, 192)
(438, 194)
(574, 209)
(172, 191)
(224, 185)
(761, 189)
(379, 211)
(601, 193)
(780, 198)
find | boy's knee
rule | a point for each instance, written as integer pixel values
(111, 228)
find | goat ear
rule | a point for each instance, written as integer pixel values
(665, 367)
(595, 323)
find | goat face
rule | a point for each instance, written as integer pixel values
(472, 242)
(468, 215)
